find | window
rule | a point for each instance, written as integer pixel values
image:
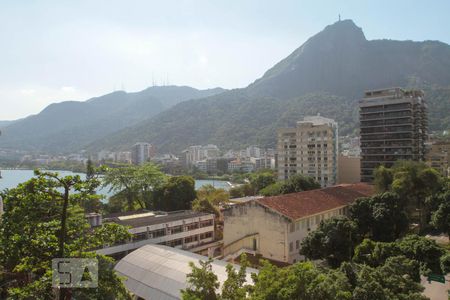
(206, 223)
(191, 226)
(205, 235)
(291, 247)
(176, 229)
(297, 244)
(317, 220)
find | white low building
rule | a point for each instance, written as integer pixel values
(188, 230)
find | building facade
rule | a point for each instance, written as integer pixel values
(311, 149)
(187, 230)
(274, 227)
(438, 157)
(140, 153)
(349, 169)
(393, 126)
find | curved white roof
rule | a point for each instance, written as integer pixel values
(159, 272)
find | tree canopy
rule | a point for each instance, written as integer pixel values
(43, 220)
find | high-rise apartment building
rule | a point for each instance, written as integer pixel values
(311, 149)
(194, 154)
(393, 126)
(140, 153)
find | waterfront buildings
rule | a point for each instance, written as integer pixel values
(311, 149)
(194, 154)
(141, 153)
(274, 227)
(393, 126)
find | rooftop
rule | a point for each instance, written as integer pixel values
(146, 218)
(159, 272)
(298, 205)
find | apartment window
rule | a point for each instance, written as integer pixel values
(291, 247)
(317, 220)
(292, 227)
(297, 244)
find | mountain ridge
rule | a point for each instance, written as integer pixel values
(337, 64)
(69, 125)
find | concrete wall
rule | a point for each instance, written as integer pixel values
(244, 220)
(349, 169)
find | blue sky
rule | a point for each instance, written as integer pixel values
(72, 50)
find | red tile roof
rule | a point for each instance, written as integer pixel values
(302, 204)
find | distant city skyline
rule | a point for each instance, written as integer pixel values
(54, 51)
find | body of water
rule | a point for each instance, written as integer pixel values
(11, 178)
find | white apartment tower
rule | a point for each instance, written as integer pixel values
(311, 149)
(140, 153)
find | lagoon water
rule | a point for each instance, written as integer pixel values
(11, 178)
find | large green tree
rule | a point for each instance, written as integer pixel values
(293, 184)
(42, 221)
(334, 240)
(382, 217)
(209, 199)
(177, 193)
(414, 182)
(414, 247)
(134, 185)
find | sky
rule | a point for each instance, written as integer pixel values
(52, 51)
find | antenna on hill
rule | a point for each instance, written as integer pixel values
(339, 17)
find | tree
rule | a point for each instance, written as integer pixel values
(413, 182)
(33, 232)
(202, 282)
(302, 281)
(261, 180)
(334, 240)
(440, 217)
(234, 287)
(242, 190)
(123, 180)
(383, 178)
(209, 199)
(382, 217)
(176, 194)
(134, 184)
(413, 247)
(293, 184)
(445, 263)
(274, 189)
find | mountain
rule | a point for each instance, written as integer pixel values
(70, 125)
(5, 123)
(327, 75)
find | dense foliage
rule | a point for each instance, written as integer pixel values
(43, 220)
(294, 184)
